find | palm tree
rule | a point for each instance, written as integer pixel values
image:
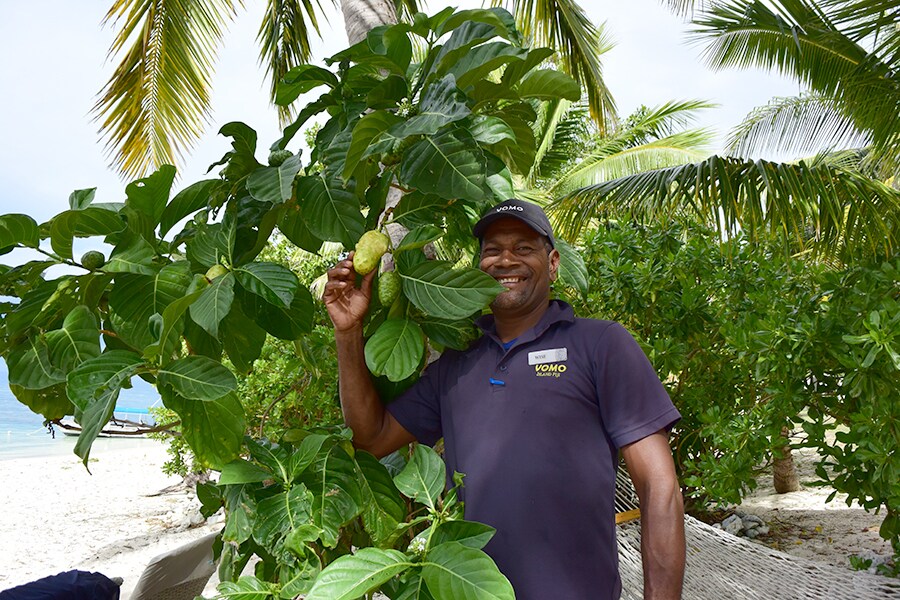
(155, 104)
(845, 53)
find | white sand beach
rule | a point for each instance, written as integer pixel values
(56, 516)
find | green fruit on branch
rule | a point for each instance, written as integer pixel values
(369, 250)
(277, 157)
(388, 287)
(216, 270)
(92, 260)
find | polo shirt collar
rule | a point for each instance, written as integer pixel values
(557, 312)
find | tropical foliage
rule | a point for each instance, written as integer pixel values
(841, 205)
(153, 106)
(186, 299)
(751, 343)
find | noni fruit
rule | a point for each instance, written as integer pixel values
(388, 287)
(369, 250)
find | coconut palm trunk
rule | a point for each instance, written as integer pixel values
(361, 16)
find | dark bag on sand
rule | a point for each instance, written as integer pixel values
(71, 585)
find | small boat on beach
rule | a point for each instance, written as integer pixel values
(126, 422)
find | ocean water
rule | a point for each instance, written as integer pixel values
(23, 435)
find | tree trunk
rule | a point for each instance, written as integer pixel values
(361, 16)
(784, 471)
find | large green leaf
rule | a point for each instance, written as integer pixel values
(133, 255)
(285, 324)
(416, 209)
(33, 302)
(453, 334)
(424, 477)
(90, 221)
(395, 350)
(572, 270)
(80, 199)
(242, 339)
(338, 499)
(211, 243)
(364, 132)
(213, 304)
(246, 588)
(300, 80)
(330, 212)
(279, 515)
(242, 471)
(214, 429)
(187, 201)
(51, 403)
(491, 130)
(442, 103)
(449, 164)
(133, 299)
(294, 228)
(351, 576)
(453, 570)
(499, 178)
(172, 328)
(274, 184)
(76, 341)
(482, 60)
(547, 84)
(19, 229)
(419, 238)
(439, 290)
(30, 367)
(520, 155)
(272, 282)
(384, 507)
(198, 378)
(467, 533)
(149, 195)
(93, 387)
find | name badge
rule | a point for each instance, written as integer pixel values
(548, 356)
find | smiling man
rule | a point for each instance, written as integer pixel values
(535, 413)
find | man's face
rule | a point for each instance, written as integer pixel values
(519, 258)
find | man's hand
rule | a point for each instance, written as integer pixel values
(347, 304)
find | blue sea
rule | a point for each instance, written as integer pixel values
(23, 435)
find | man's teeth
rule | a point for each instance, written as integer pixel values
(510, 279)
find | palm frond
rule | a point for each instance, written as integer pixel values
(613, 161)
(796, 125)
(661, 121)
(564, 26)
(559, 127)
(802, 41)
(832, 210)
(154, 106)
(284, 39)
(407, 9)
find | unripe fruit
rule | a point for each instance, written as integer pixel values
(388, 287)
(92, 260)
(369, 250)
(277, 157)
(216, 271)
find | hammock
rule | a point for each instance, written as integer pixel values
(721, 566)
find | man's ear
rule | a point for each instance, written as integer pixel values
(554, 264)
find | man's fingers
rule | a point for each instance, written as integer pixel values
(367, 282)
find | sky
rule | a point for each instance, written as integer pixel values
(53, 62)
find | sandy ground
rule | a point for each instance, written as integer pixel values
(803, 524)
(56, 517)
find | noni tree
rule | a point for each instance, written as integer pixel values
(183, 289)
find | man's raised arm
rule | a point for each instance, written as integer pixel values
(652, 470)
(374, 428)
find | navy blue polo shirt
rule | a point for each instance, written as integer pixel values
(536, 429)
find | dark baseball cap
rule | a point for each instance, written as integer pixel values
(528, 212)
